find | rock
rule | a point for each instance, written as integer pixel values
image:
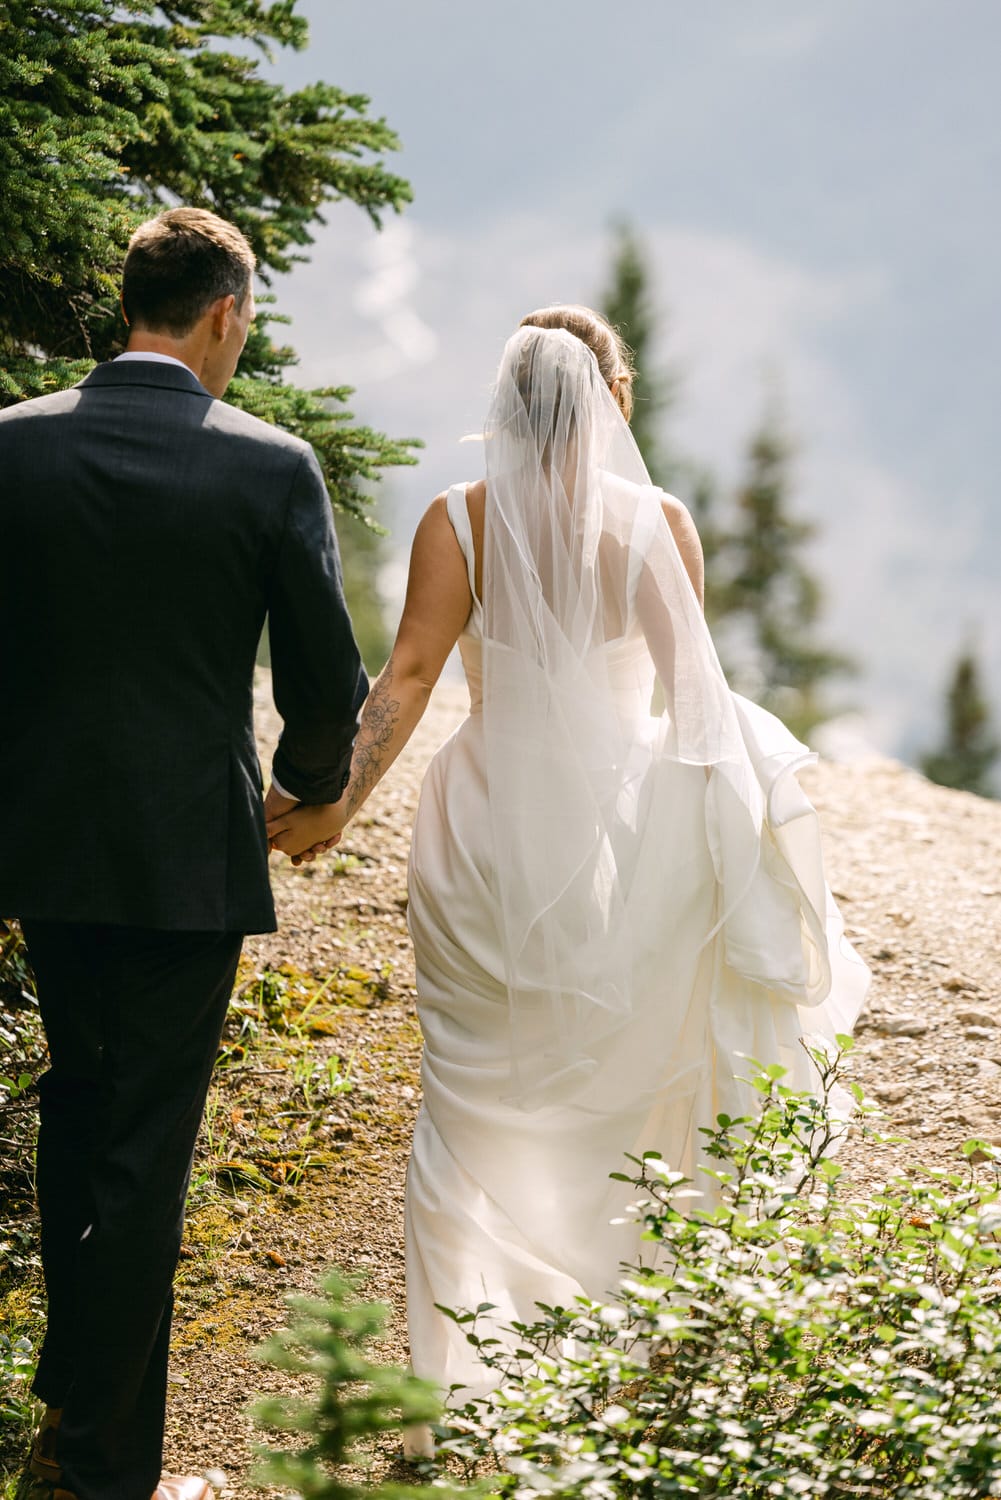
(245, 1240)
(891, 1093)
(898, 1023)
(978, 1033)
(926, 1064)
(957, 983)
(977, 1018)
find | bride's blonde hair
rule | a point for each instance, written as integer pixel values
(606, 344)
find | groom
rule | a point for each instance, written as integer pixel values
(146, 531)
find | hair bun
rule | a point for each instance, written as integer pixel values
(606, 344)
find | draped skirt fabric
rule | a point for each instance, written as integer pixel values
(509, 1200)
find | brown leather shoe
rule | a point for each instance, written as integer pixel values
(182, 1487)
(30, 1487)
(42, 1463)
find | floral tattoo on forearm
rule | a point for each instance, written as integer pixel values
(375, 733)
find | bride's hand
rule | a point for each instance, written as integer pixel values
(304, 832)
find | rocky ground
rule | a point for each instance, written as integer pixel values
(917, 871)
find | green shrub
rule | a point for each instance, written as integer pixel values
(355, 1402)
(796, 1341)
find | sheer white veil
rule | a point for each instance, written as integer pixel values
(585, 596)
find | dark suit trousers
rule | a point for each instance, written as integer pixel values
(133, 1020)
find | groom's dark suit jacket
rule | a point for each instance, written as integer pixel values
(146, 530)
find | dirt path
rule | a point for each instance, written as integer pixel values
(918, 873)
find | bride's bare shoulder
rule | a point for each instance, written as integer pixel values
(674, 509)
(679, 519)
(437, 519)
(475, 498)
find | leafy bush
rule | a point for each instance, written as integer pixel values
(795, 1341)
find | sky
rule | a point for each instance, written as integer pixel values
(817, 188)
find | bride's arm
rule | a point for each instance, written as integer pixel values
(686, 539)
(652, 607)
(437, 607)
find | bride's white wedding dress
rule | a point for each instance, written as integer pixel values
(513, 1205)
(611, 911)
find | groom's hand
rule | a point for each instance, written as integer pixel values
(275, 804)
(304, 832)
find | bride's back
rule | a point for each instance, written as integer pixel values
(618, 556)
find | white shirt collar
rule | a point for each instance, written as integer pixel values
(160, 359)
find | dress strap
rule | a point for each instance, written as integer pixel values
(458, 514)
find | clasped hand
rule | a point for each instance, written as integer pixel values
(303, 832)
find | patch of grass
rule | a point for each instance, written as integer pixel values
(278, 1112)
(281, 1101)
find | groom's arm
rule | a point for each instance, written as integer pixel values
(318, 680)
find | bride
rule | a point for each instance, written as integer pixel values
(611, 908)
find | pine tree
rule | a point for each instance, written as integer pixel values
(356, 1400)
(362, 555)
(110, 112)
(363, 550)
(628, 304)
(970, 748)
(772, 595)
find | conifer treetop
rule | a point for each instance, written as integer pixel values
(110, 113)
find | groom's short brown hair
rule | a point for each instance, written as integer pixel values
(178, 264)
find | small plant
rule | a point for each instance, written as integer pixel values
(18, 1408)
(319, 1080)
(356, 1400)
(794, 1341)
(269, 990)
(15, 1087)
(17, 1370)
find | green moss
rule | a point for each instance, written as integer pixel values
(220, 1325)
(22, 1310)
